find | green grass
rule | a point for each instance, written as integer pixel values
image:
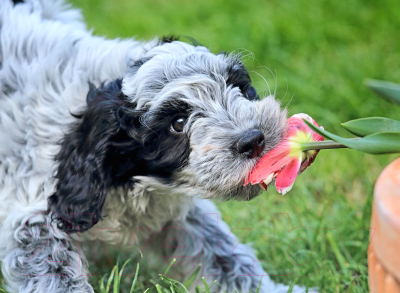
(321, 52)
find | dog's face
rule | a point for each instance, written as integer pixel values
(182, 119)
(207, 125)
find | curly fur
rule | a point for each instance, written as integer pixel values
(86, 144)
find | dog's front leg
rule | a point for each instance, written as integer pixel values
(209, 241)
(37, 257)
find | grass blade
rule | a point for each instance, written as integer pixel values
(135, 279)
(172, 289)
(192, 277)
(259, 286)
(169, 266)
(158, 288)
(292, 285)
(102, 287)
(123, 267)
(205, 285)
(110, 279)
(174, 282)
(117, 280)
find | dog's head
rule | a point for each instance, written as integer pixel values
(181, 119)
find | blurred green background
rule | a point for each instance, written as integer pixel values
(320, 52)
(316, 55)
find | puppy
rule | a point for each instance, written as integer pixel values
(126, 140)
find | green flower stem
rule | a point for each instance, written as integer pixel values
(323, 145)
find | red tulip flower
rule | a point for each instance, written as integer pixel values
(288, 159)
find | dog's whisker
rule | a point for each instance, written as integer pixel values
(266, 82)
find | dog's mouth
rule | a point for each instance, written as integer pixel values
(229, 184)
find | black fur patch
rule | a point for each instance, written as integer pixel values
(106, 147)
(238, 76)
(17, 1)
(168, 39)
(172, 38)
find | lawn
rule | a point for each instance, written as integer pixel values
(316, 55)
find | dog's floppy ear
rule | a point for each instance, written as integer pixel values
(85, 169)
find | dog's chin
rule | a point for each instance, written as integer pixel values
(240, 193)
(248, 192)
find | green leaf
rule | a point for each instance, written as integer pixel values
(377, 143)
(388, 90)
(370, 125)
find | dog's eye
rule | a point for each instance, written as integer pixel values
(251, 93)
(178, 124)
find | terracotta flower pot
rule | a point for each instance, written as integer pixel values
(384, 250)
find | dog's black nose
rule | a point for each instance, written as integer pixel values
(251, 144)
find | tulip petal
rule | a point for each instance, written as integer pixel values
(287, 189)
(310, 158)
(317, 137)
(263, 186)
(307, 162)
(285, 161)
(285, 179)
(268, 180)
(273, 161)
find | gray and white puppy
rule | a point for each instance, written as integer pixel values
(125, 138)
